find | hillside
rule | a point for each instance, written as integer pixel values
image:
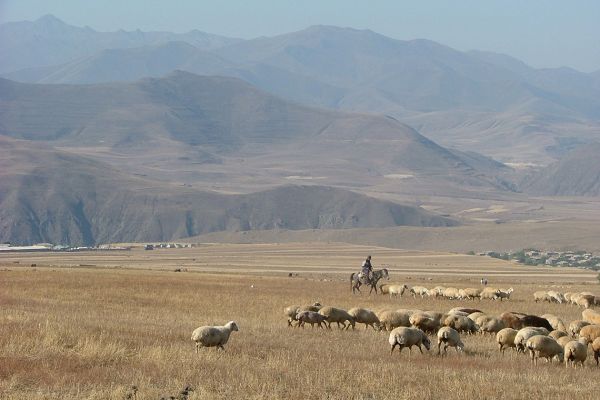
(170, 127)
(577, 174)
(48, 195)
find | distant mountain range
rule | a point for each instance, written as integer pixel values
(133, 136)
(477, 101)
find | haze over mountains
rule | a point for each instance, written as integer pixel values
(479, 101)
(156, 136)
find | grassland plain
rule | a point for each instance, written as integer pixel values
(90, 325)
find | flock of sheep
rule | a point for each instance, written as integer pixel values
(583, 299)
(545, 336)
(449, 293)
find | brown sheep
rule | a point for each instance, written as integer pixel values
(591, 316)
(575, 327)
(590, 333)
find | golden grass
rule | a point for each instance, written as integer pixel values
(90, 333)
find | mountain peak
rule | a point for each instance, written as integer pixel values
(49, 19)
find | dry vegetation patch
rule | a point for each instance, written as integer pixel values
(92, 333)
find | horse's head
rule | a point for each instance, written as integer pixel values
(385, 274)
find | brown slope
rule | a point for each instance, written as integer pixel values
(220, 115)
(51, 196)
(577, 174)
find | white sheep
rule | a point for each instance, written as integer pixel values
(544, 346)
(506, 338)
(338, 316)
(505, 293)
(389, 320)
(213, 336)
(524, 334)
(450, 338)
(419, 290)
(395, 290)
(575, 352)
(408, 337)
(364, 316)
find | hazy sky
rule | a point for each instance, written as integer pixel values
(547, 33)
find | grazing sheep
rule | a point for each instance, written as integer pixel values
(450, 338)
(364, 316)
(437, 316)
(575, 327)
(575, 352)
(534, 320)
(461, 324)
(541, 296)
(389, 320)
(438, 289)
(556, 296)
(524, 334)
(591, 316)
(476, 315)
(544, 346)
(557, 323)
(489, 293)
(395, 290)
(505, 293)
(493, 325)
(586, 301)
(596, 350)
(292, 311)
(408, 337)
(468, 311)
(512, 319)
(483, 319)
(419, 290)
(383, 288)
(590, 333)
(310, 317)
(563, 340)
(471, 293)
(213, 336)
(506, 338)
(450, 293)
(575, 297)
(460, 313)
(424, 322)
(556, 334)
(567, 297)
(338, 316)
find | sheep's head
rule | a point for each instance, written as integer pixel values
(460, 346)
(426, 342)
(232, 326)
(317, 304)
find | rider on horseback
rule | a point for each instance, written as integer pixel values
(367, 268)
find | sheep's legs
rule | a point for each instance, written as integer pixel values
(393, 347)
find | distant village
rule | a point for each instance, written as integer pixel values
(577, 259)
(40, 247)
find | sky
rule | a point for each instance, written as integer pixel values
(549, 33)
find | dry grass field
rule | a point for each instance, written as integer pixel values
(90, 325)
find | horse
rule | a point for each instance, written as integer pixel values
(358, 279)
